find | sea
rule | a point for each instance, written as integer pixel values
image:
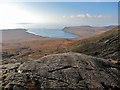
(45, 30)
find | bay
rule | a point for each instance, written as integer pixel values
(52, 33)
(45, 30)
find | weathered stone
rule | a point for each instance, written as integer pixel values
(73, 70)
(66, 71)
(15, 87)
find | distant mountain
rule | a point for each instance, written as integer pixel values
(87, 31)
(110, 26)
(105, 45)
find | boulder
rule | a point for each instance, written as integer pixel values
(66, 71)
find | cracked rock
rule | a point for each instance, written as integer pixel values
(67, 70)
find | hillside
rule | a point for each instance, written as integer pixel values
(87, 31)
(67, 71)
(23, 69)
(19, 45)
(105, 45)
(15, 35)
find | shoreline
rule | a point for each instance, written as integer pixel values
(16, 35)
(77, 36)
(27, 31)
(32, 33)
(71, 33)
(22, 29)
(78, 32)
(22, 35)
(84, 32)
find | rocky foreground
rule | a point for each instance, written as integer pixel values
(61, 71)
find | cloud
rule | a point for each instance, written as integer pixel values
(87, 15)
(63, 16)
(89, 19)
(72, 16)
(81, 16)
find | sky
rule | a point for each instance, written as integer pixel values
(59, 0)
(60, 13)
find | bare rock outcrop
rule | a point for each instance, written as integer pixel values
(64, 71)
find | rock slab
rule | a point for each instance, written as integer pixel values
(65, 71)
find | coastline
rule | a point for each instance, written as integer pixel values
(52, 33)
(16, 40)
(21, 29)
(79, 32)
(15, 35)
(67, 31)
(27, 31)
(86, 31)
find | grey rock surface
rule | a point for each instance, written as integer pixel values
(65, 71)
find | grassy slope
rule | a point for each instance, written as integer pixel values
(104, 45)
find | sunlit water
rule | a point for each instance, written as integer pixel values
(52, 31)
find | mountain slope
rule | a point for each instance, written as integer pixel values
(87, 31)
(105, 45)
